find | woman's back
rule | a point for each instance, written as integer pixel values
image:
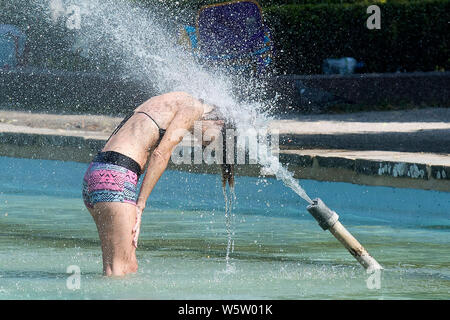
(143, 129)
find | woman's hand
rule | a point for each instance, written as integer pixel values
(137, 226)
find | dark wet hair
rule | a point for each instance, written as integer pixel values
(227, 169)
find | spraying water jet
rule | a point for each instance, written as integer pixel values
(169, 68)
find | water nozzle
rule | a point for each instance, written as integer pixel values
(324, 215)
(328, 220)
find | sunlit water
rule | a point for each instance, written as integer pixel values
(279, 250)
(267, 247)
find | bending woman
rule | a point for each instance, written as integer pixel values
(149, 134)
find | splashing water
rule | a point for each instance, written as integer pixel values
(141, 46)
(148, 54)
(229, 198)
(271, 165)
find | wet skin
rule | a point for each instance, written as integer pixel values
(118, 223)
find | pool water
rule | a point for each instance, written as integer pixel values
(279, 250)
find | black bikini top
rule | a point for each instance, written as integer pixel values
(161, 131)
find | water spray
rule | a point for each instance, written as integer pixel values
(124, 33)
(328, 220)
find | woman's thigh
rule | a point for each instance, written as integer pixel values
(115, 222)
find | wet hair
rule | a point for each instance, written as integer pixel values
(228, 175)
(214, 114)
(227, 169)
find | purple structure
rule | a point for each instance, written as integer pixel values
(232, 33)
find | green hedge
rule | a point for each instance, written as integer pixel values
(413, 36)
(186, 10)
(195, 4)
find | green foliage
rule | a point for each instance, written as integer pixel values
(195, 4)
(413, 36)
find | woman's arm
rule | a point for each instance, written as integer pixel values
(159, 159)
(179, 126)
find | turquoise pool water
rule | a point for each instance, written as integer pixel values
(279, 250)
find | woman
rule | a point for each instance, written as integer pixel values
(149, 134)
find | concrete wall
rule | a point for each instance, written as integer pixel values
(405, 173)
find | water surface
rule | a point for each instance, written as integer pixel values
(279, 250)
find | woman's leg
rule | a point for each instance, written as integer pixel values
(115, 222)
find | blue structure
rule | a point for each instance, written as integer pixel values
(231, 34)
(12, 46)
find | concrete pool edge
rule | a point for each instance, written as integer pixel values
(376, 168)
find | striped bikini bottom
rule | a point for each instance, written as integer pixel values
(106, 182)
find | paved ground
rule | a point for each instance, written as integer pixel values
(421, 130)
(378, 146)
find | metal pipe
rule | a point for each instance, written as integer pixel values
(328, 220)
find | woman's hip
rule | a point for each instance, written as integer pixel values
(108, 182)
